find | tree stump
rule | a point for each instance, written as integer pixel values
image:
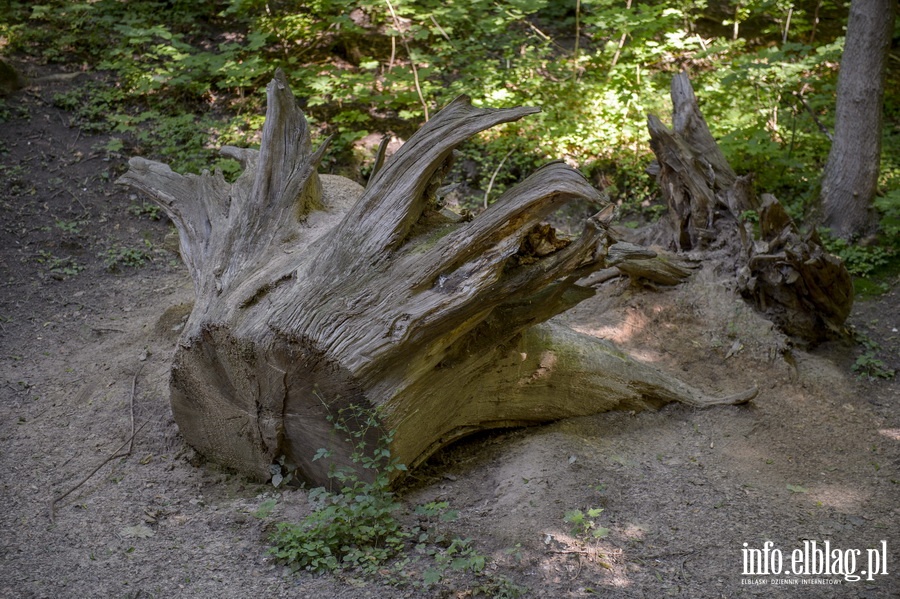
(788, 276)
(703, 193)
(313, 295)
(793, 280)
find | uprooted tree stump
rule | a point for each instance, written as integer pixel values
(314, 295)
(791, 278)
(787, 275)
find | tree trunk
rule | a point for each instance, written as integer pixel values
(851, 174)
(315, 295)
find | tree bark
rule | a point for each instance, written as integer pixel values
(789, 277)
(850, 180)
(314, 295)
(703, 193)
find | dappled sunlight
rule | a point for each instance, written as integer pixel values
(570, 557)
(891, 433)
(545, 368)
(625, 329)
(631, 323)
(634, 531)
(840, 497)
(767, 470)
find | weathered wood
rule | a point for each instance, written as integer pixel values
(788, 276)
(646, 265)
(794, 280)
(700, 187)
(314, 294)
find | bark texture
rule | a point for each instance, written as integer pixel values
(703, 193)
(850, 179)
(788, 276)
(314, 294)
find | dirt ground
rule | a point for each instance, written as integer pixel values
(84, 356)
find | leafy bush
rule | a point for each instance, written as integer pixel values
(355, 527)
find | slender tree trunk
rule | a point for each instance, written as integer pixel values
(851, 174)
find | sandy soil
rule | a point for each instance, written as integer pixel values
(84, 354)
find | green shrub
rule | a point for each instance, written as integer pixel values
(355, 527)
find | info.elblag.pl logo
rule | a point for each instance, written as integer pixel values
(811, 562)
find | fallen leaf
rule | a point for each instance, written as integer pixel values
(137, 532)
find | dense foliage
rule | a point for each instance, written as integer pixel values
(177, 78)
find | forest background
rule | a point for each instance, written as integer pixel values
(175, 80)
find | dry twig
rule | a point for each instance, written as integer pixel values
(118, 453)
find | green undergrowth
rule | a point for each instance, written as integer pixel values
(869, 363)
(354, 527)
(875, 262)
(357, 527)
(176, 80)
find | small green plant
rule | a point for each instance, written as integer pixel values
(499, 587)
(585, 524)
(438, 509)
(13, 177)
(459, 556)
(868, 364)
(355, 527)
(59, 268)
(91, 106)
(265, 509)
(151, 211)
(71, 227)
(122, 256)
(448, 555)
(283, 471)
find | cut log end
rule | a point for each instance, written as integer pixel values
(249, 405)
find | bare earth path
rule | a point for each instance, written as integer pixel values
(815, 457)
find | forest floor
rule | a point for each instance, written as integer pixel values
(86, 338)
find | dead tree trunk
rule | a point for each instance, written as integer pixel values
(704, 195)
(788, 276)
(313, 294)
